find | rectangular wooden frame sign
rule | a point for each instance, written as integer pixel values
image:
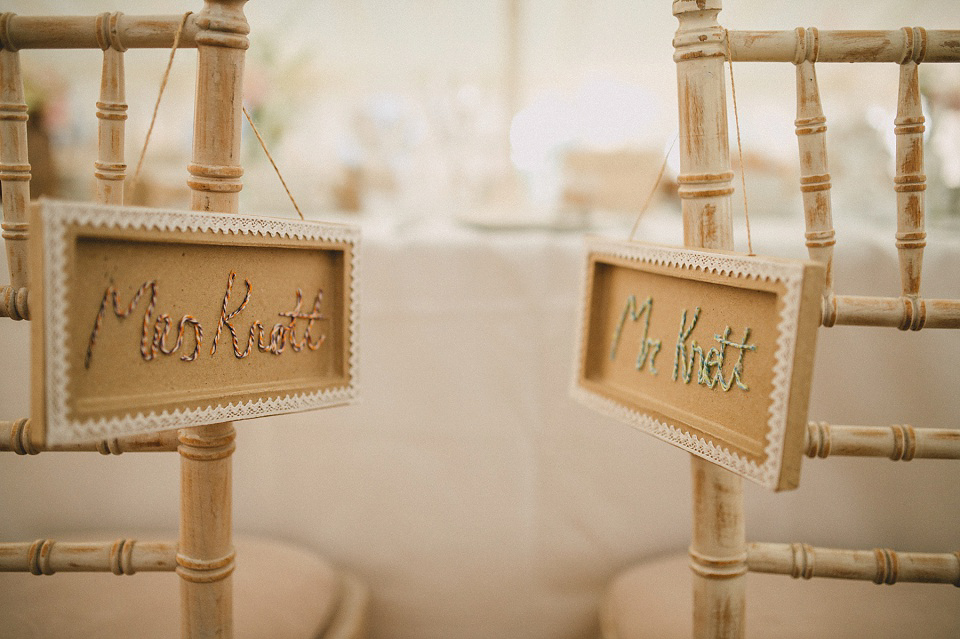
(146, 320)
(712, 352)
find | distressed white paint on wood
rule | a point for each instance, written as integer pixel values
(84, 32)
(205, 551)
(705, 179)
(910, 181)
(111, 114)
(718, 551)
(880, 565)
(14, 164)
(811, 128)
(15, 437)
(899, 442)
(14, 302)
(896, 312)
(206, 556)
(121, 557)
(943, 45)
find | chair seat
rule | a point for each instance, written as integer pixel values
(655, 599)
(280, 592)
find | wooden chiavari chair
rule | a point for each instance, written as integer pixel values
(644, 601)
(279, 591)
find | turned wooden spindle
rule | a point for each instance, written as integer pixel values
(718, 547)
(899, 442)
(943, 45)
(15, 437)
(216, 171)
(910, 181)
(705, 179)
(811, 128)
(206, 555)
(121, 557)
(897, 312)
(111, 113)
(14, 164)
(880, 565)
(14, 302)
(84, 32)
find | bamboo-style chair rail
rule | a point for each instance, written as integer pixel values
(15, 437)
(942, 45)
(718, 551)
(203, 556)
(14, 303)
(121, 557)
(908, 47)
(905, 313)
(95, 32)
(880, 565)
(899, 442)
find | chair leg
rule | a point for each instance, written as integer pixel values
(718, 553)
(205, 558)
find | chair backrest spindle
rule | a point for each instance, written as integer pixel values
(811, 129)
(111, 113)
(14, 162)
(910, 181)
(706, 178)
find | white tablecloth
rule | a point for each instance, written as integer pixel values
(471, 493)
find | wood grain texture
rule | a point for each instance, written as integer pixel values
(87, 32)
(121, 557)
(811, 129)
(111, 115)
(910, 181)
(880, 565)
(14, 164)
(942, 45)
(905, 313)
(15, 302)
(705, 179)
(899, 442)
(15, 437)
(215, 171)
(206, 556)
(717, 551)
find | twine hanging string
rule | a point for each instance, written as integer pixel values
(156, 106)
(736, 119)
(653, 189)
(263, 145)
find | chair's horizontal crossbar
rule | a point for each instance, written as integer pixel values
(15, 437)
(880, 565)
(121, 557)
(897, 312)
(90, 32)
(941, 45)
(14, 303)
(896, 442)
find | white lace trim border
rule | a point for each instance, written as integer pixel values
(58, 216)
(789, 274)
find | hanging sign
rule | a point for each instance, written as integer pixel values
(710, 352)
(146, 320)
